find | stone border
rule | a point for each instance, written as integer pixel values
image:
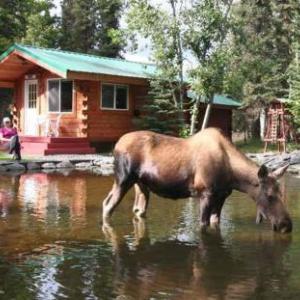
(275, 160)
(102, 165)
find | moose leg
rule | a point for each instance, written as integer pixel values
(114, 198)
(206, 205)
(141, 200)
(217, 208)
(216, 211)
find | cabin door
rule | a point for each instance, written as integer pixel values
(31, 107)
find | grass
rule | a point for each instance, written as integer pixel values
(257, 146)
(4, 156)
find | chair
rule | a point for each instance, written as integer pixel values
(51, 125)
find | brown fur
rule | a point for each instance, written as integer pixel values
(205, 166)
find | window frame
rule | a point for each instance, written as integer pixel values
(59, 93)
(115, 85)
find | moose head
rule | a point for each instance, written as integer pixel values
(269, 200)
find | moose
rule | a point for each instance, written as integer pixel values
(205, 166)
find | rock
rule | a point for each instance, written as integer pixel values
(107, 171)
(103, 160)
(15, 167)
(83, 165)
(3, 169)
(293, 170)
(49, 171)
(295, 158)
(33, 166)
(96, 171)
(49, 166)
(65, 164)
(64, 172)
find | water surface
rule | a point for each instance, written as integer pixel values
(53, 246)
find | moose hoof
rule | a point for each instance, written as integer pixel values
(139, 213)
(204, 224)
(214, 219)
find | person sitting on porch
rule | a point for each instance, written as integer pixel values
(9, 140)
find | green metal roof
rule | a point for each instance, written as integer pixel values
(61, 62)
(218, 99)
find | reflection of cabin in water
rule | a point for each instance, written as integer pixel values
(66, 102)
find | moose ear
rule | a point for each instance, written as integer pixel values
(262, 172)
(280, 171)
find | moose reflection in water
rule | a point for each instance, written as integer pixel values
(193, 267)
(205, 166)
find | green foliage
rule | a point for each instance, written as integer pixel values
(13, 16)
(163, 28)
(178, 27)
(89, 26)
(261, 48)
(294, 82)
(158, 112)
(42, 28)
(28, 22)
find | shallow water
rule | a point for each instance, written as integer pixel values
(53, 246)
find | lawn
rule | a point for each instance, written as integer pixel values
(4, 156)
(256, 146)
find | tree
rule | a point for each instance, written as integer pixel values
(13, 16)
(157, 112)
(264, 38)
(294, 76)
(108, 15)
(179, 30)
(163, 27)
(86, 26)
(207, 28)
(42, 28)
(28, 22)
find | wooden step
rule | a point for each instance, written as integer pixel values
(68, 145)
(36, 145)
(85, 150)
(68, 140)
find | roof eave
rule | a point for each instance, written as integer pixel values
(105, 77)
(35, 60)
(16, 49)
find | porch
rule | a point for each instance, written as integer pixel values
(37, 145)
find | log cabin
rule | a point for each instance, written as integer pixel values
(66, 102)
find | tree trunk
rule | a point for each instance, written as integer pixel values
(194, 116)
(207, 113)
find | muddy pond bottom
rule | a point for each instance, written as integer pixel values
(53, 246)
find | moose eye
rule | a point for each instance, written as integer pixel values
(271, 198)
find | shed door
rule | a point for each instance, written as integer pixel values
(31, 107)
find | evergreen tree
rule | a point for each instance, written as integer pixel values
(42, 28)
(86, 26)
(28, 22)
(294, 75)
(108, 14)
(294, 95)
(77, 25)
(13, 17)
(158, 112)
(262, 47)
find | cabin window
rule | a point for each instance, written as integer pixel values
(60, 95)
(114, 96)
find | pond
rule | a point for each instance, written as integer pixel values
(52, 245)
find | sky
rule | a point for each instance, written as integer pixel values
(141, 55)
